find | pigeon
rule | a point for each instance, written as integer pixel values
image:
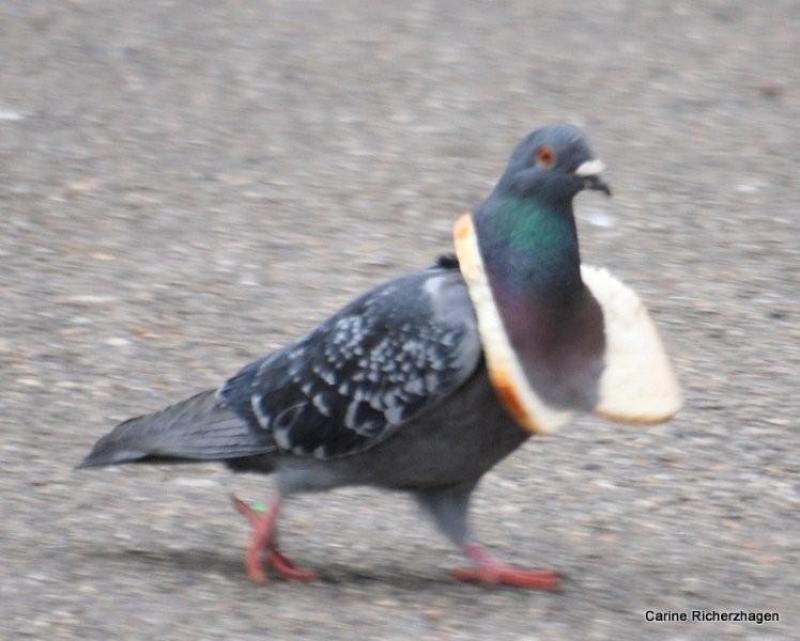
(426, 382)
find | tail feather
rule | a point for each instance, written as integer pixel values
(197, 429)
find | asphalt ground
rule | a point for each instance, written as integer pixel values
(187, 185)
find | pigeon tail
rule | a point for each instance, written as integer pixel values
(197, 429)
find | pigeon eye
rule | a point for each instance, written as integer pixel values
(546, 157)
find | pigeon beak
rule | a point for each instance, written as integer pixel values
(590, 172)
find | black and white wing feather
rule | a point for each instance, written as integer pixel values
(385, 358)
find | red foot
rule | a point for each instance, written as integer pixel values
(288, 570)
(509, 575)
(490, 571)
(263, 546)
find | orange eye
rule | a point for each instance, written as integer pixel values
(546, 157)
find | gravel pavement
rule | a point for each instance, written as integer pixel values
(186, 185)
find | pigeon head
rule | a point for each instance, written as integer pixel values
(553, 163)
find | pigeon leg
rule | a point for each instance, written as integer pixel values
(488, 570)
(263, 545)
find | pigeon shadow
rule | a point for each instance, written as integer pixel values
(185, 560)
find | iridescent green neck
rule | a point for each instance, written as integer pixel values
(530, 244)
(552, 322)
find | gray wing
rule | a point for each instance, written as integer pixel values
(387, 357)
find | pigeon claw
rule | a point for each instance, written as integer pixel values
(501, 574)
(490, 571)
(289, 570)
(263, 547)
